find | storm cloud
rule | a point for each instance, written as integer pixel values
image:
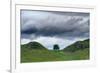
(54, 24)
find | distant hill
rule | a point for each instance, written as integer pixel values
(79, 45)
(33, 45)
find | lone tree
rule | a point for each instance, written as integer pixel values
(56, 47)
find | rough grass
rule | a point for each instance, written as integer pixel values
(39, 55)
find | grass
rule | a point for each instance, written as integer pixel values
(43, 55)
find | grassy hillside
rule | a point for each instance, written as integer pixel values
(79, 45)
(35, 52)
(33, 45)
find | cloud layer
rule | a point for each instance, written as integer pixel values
(58, 24)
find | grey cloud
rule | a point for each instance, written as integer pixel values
(54, 24)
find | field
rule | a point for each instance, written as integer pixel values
(50, 55)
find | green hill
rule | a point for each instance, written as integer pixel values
(33, 45)
(36, 52)
(79, 45)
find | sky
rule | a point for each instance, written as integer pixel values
(54, 27)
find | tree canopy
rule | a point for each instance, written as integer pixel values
(56, 47)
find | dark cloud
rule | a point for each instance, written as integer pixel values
(54, 24)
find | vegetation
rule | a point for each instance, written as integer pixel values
(56, 47)
(33, 45)
(35, 52)
(79, 45)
